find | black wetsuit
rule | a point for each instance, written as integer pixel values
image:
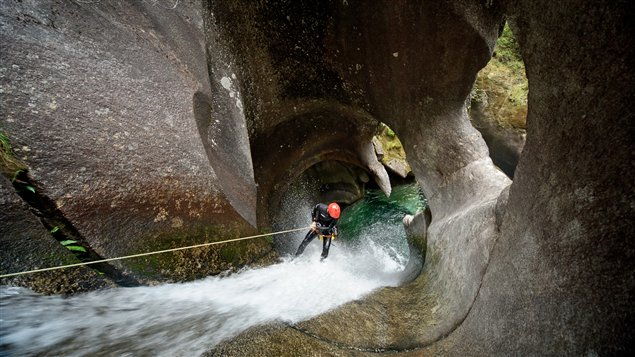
(326, 227)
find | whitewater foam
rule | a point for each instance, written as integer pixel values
(189, 318)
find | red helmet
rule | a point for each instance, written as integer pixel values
(334, 210)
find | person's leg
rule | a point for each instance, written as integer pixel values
(307, 239)
(326, 245)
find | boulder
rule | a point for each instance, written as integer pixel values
(135, 142)
(379, 148)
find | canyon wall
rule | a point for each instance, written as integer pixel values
(149, 125)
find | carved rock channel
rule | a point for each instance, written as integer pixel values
(196, 120)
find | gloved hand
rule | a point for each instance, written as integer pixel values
(314, 227)
(334, 232)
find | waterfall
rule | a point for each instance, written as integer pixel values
(189, 318)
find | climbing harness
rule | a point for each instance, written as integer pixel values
(333, 236)
(150, 253)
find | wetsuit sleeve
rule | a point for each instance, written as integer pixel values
(332, 225)
(315, 213)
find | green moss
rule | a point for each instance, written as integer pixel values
(507, 49)
(501, 88)
(228, 253)
(388, 132)
(198, 262)
(10, 166)
(269, 239)
(393, 149)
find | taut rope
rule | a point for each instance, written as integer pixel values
(150, 253)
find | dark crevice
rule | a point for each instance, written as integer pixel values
(63, 230)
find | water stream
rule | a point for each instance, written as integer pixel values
(188, 318)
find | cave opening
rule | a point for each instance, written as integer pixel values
(497, 104)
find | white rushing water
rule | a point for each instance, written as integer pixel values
(188, 318)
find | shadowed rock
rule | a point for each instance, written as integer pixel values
(149, 141)
(113, 109)
(548, 270)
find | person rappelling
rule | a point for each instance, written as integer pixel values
(324, 225)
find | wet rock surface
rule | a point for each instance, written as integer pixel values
(559, 281)
(447, 155)
(30, 246)
(175, 134)
(120, 134)
(542, 276)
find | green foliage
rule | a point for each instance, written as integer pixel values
(10, 166)
(389, 132)
(71, 244)
(507, 50)
(269, 239)
(501, 88)
(384, 130)
(228, 254)
(393, 149)
(4, 142)
(76, 248)
(55, 230)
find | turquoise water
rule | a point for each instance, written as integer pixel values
(377, 219)
(376, 207)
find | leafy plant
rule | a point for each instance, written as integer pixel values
(389, 132)
(72, 245)
(76, 248)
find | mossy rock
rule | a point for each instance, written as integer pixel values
(394, 156)
(196, 263)
(501, 88)
(10, 166)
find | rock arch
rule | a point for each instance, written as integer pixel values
(541, 266)
(520, 269)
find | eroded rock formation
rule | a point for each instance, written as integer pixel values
(526, 269)
(151, 139)
(112, 107)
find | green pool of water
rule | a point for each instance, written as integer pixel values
(377, 219)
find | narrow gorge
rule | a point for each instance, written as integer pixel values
(136, 126)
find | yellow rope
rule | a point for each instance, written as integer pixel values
(150, 253)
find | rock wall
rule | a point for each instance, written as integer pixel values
(415, 64)
(149, 141)
(122, 124)
(560, 279)
(541, 267)
(299, 110)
